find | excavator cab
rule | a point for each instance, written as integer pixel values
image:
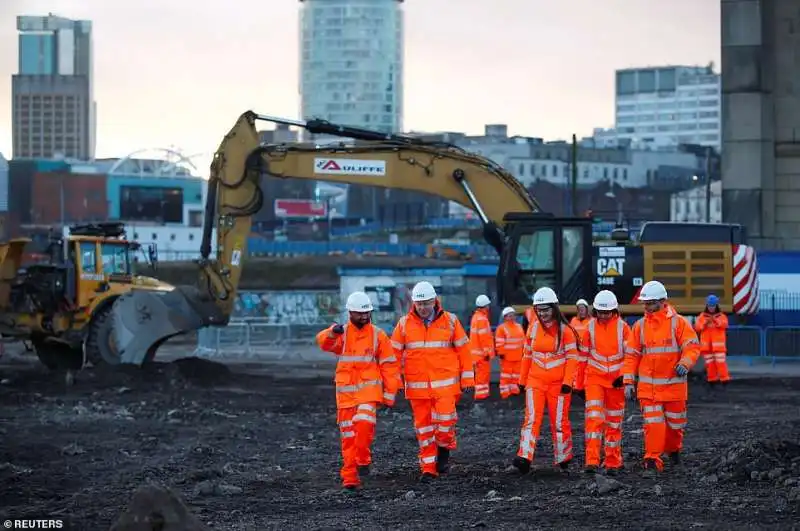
(542, 250)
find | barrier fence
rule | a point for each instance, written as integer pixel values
(260, 339)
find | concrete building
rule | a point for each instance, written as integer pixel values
(53, 107)
(351, 62)
(761, 120)
(666, 106)
(690, 205)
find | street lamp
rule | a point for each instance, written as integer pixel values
(610, 194)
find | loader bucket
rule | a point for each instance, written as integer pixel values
(144, 320)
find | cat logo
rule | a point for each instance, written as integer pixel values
(610, 267)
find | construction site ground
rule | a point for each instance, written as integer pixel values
(254, 445)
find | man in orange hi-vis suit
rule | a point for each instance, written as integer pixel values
(661, 351)
(367, 374)
(549, 362)
(509, 344)
(600, 375)
(711, 325)
(437, 367)
(481, 343)
(581, 321)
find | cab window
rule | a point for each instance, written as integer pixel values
(89, 257)
(535, 258)
(115, 259)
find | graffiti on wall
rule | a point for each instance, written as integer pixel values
(289, 307)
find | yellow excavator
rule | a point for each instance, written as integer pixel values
(535, 248)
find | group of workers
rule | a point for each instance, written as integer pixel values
(596, 356)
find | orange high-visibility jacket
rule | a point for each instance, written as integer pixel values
(712, 327)
(545, 363)
(602, 352)
(481, 342)
(530, 317)
(657, 343)
(436, 359)
(510, 340)
(367, 368)
(580, 325)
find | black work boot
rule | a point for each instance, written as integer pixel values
(521, 464)
(674, 458)
(363, 470)
(590, 469)
(650, 468)
(427, 477)
(564, 465)
(612, 471)
(442, 460)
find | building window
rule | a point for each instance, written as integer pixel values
(151, 203)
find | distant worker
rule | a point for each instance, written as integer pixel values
(548, 368)
(481, 343)
(437, 367)
(581, 321)
(509, 344)
(712, 326)
(600, 375)
(662, 349)
(367, 374)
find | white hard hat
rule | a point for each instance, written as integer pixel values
(423, 291)
(605, 301)
(358, 301)
(653, 291)
(582, 301)
(545, 296)
(482, 301)
(508, 310)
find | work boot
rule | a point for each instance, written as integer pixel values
(564, 465)
(363, 470)
(650, 468)
(590, 469)
(442, 460)
(612, 471)
(521, 464)
(674, 458)
(350, 488)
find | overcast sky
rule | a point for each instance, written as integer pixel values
(179, 72)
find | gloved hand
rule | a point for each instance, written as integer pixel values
(338, 329)
(521, 388)
(617, 383)
(501, 356)
(566, 389)
(580, 393)
(487, 358)
(630, 392)
(681, 370)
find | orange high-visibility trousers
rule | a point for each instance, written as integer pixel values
(664, 424)
(435, 425)
(605, 409)
(357, 431)
(536, 400)
(716, 366)
(509, 377)
(483, 374)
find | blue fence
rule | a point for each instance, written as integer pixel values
(773, 343)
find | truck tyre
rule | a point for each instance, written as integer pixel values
(57, 356)
(100, 348)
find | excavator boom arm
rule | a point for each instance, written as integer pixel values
(235, 195)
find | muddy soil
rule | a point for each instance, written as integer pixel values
(256, 452)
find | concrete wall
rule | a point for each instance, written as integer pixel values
(761, 120)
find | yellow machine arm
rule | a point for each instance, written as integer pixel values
(144, 320)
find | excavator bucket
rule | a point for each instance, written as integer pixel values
(144, 320)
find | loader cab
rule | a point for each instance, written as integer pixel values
(544, 250)
(99, 255)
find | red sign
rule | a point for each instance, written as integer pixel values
(299, 208)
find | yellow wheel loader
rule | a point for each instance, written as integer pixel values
(61, 304)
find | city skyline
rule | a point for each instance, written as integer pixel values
(457, 77)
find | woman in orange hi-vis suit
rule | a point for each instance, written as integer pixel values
(367, 374)
(661, 351)
(600, 375)
(481, 343)
(711, 326)
(548, 369)
(509, 343)
(437, 366)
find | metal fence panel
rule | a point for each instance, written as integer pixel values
(782, 343)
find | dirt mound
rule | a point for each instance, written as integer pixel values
(776, 461)
(155, 508)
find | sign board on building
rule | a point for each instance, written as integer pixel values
(325, 166)
(299, 208)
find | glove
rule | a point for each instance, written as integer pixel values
(521, 388)
(580, 393)
(501, 356)
(616, 384)
(487, 358)
(681, 370)
(338, 329)
(566, 389)
(630, 392)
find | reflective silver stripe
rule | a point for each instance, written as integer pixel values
(428, 344)
(481, 330)
(594, 403)
(662, 381)
(549, 364)
(345, 423)
(671, 349)
(348, 434)
(654, 409)
(435, 384)
(398, 345)
(357, 387)
(590, 435)
(612, 444)
(388, 396)
(461, 342)
(425, 429)
(389, 359)
(354, 359)
(364, 418)
(467, 374)
(615, 412)
(444, 418)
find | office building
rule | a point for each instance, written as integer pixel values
(666, 106)
(53, 108)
